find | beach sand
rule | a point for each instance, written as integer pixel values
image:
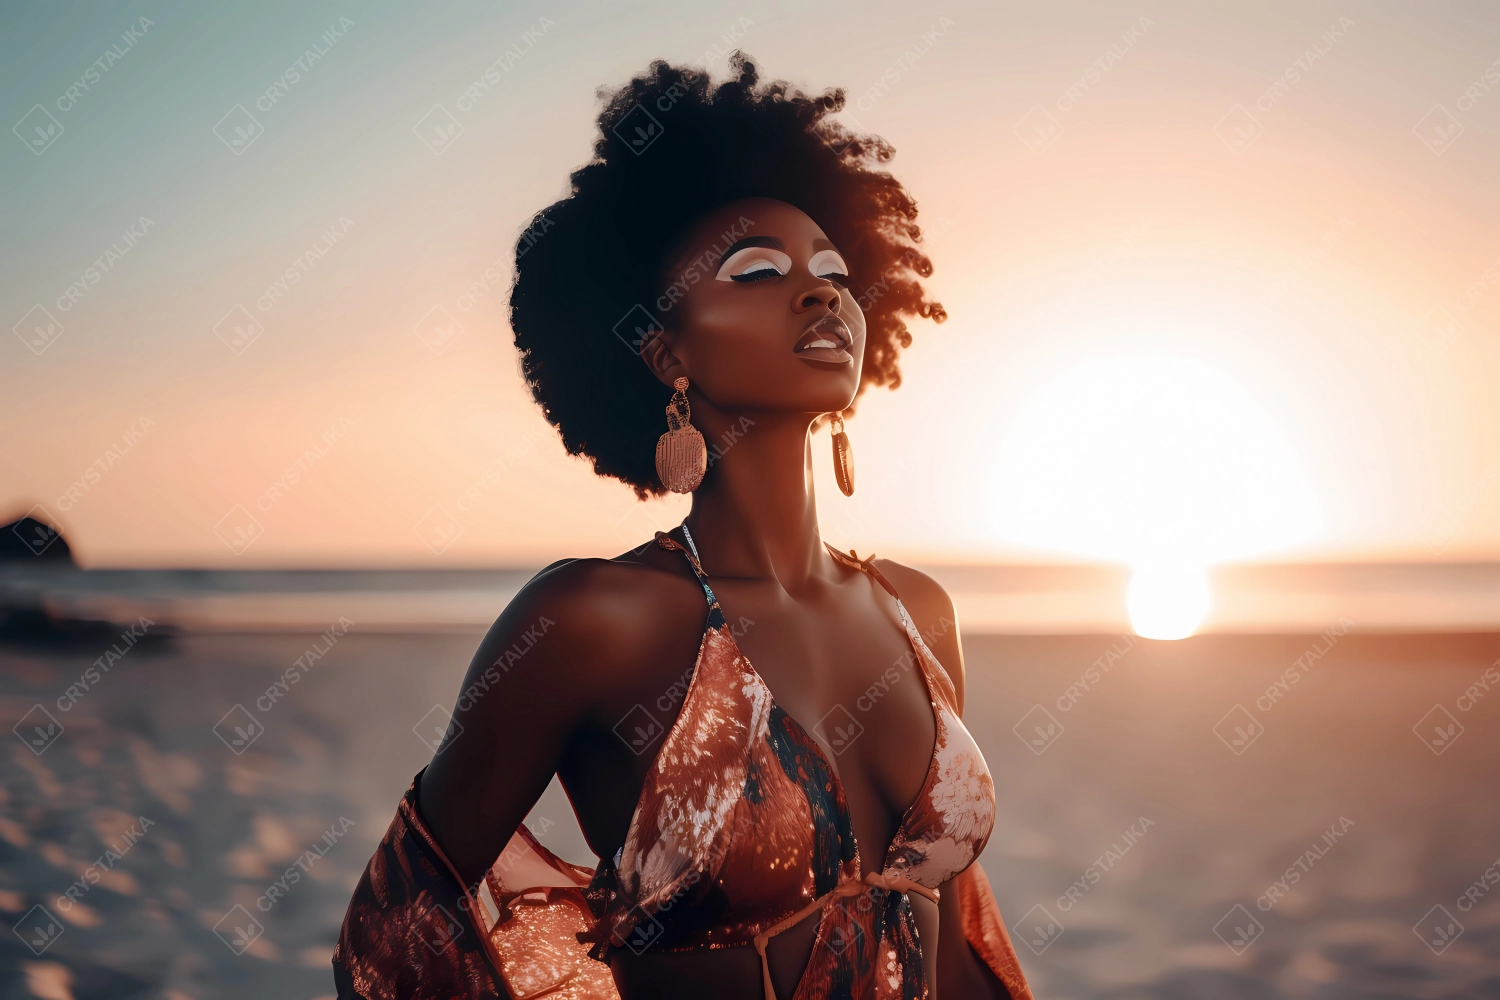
(1157, 823)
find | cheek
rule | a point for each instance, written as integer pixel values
(730, 323)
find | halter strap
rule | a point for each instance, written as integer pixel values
(669, 543)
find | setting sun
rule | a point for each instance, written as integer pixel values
(1156, 460)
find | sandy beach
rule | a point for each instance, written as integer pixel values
(1112, 779)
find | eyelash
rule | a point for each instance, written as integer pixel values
(764, 273)
(760, 274)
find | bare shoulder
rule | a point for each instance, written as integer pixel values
(581, 638)
(593, 621)
(931, 610)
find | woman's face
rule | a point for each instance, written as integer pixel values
(759, 314)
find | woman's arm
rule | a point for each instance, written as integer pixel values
(579, 645)
(525, 691)
(552, 674)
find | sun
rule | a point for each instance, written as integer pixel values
(1157, 460)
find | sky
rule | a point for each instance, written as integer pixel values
(1223, 279)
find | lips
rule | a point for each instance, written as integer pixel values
(828, 340)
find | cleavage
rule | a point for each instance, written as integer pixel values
(855, 686)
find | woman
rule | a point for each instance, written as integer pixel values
(728, 257)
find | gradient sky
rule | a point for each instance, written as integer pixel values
(1341, 268)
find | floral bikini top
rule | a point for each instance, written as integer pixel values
(741, 831)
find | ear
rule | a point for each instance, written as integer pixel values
(660, 358)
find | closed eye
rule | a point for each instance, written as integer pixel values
(754, 264)
(828, 264)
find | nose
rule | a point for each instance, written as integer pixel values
(824, 294)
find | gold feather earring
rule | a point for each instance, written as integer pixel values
(681, 455)
(843, 456)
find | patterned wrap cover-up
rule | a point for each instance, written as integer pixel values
(741, 831)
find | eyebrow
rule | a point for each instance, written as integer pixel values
(822, 244)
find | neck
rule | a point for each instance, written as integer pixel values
(756, 516)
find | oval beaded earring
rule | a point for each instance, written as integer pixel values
(843, 456)
(681, 455)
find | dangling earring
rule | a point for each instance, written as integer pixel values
(843, 456)
(681, 455)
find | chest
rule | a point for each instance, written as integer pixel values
(844, 668)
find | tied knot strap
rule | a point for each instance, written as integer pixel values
(865, 565)
(900, 883)
(894, 883)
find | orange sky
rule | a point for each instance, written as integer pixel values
(1341, 268)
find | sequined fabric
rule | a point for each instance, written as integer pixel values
(413, 931)
(408, 931)
(741, 830)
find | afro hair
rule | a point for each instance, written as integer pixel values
(671, 148)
